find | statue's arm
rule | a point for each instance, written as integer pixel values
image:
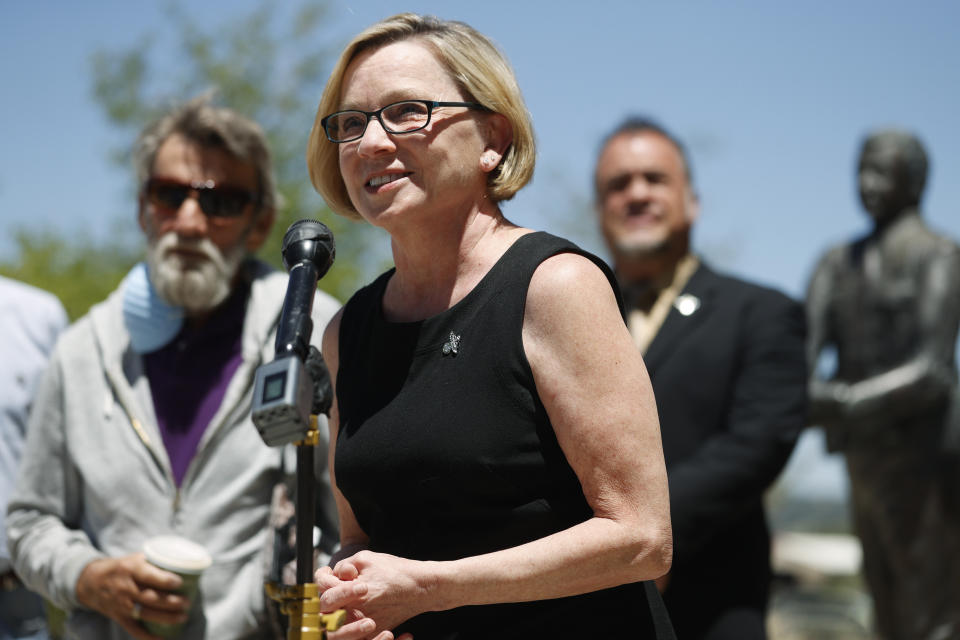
(927, 377)
(827, 397)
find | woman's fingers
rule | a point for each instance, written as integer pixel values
(346, 570)
(325, 579)
(342, 596)
(362, 629)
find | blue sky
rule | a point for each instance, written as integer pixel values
(773, 99)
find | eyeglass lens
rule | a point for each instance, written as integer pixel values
(215, 202)
(400, 117)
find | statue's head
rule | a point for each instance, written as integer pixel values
(891, 174)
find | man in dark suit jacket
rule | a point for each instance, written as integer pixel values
(727, 362)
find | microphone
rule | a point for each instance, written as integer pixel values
(308, 251)
(285, 390)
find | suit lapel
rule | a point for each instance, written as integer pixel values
(690, 309)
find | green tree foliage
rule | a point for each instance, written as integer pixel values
(271, 72)
(78, 272)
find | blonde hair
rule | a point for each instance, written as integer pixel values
(479, 70)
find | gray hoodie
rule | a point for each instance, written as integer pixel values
(96, 481)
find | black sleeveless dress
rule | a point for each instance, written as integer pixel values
(445, 450)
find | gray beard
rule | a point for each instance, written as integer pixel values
(198, 285)
(638, 252)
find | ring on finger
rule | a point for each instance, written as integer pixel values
(137, 609)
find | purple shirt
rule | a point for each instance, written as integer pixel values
(189, 377)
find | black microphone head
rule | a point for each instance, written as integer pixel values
(308, 241)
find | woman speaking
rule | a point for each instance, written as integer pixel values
(495, 449)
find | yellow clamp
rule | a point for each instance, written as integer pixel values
(301, 603)
(312, 438)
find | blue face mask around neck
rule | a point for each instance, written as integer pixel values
(151, 320)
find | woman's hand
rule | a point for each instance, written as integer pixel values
(377, 590)
(357, 625)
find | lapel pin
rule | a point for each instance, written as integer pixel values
(687, 304)
(452, 345)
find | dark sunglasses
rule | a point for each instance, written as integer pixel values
(168, 195)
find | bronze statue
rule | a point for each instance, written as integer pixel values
(889, 305)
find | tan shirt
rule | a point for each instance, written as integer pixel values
(646, 313)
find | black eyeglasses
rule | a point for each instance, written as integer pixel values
(405, 116)
(223, 202)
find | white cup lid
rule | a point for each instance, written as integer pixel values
(177, 554)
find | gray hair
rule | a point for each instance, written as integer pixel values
(637, 124)
(644, 124)
(211, 127)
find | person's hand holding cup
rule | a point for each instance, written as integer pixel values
(183, 557)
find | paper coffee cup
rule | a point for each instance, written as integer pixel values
(183, 557)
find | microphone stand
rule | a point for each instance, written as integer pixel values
(301, 602)
(286, 406)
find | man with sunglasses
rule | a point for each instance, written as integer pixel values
(142, 425)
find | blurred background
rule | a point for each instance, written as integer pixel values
(772, 99)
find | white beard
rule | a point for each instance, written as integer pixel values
(195, 284)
